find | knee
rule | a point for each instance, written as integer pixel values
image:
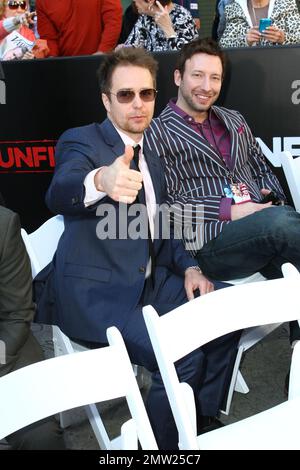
(190, 368)
(283, 219)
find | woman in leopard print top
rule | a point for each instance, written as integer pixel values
(164, 26)
(242, 19)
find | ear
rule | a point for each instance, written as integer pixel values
(106, 102)
(177, 77)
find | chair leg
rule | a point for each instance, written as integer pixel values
(65, 418)
(234, 377)
(98, 427)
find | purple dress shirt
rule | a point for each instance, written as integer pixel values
(215, 132)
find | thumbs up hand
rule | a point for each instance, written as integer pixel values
(127, 155)
(118, 181)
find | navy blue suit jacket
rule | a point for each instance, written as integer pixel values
(97, 283)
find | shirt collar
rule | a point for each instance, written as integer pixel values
(128, 140)
(189, 119)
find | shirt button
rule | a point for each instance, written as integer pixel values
(142, 269)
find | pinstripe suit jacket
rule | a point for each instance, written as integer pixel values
(196, 173)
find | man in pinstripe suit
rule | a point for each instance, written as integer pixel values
(207, 151)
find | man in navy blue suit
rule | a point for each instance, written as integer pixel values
(110, 262)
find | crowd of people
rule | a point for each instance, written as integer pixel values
(72, 28)
(194, 153)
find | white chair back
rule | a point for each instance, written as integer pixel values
(41, 244)
(291, 168)
(249, 337)
(273, 429)
(208, 317)
(32, 393)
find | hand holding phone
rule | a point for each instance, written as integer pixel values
(264, 23)
(272, 197)
(26, 19)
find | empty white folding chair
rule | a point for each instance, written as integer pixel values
(73, 380)
(274, 429)
(249, 338)
(42, 243)
(206, 318)
(291, 168)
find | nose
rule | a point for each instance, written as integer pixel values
(206, 83)
(137, 102)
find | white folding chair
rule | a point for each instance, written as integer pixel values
(210, 316)
(249, 337)
(61, 383)
(41, 246)
(273, 429)
(291, 168)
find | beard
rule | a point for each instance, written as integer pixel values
(194, 105)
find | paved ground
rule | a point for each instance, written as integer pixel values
(264, 368)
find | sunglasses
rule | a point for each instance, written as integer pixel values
(14, 5)
(127, 96)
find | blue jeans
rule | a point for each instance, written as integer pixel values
(262, 241)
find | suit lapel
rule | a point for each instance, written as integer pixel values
(111, 138)
(233, 128)
(155, 170)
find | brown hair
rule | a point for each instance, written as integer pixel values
(164, 2)
(198, 46)
(3, 4)
(2, 8)
(124, 56)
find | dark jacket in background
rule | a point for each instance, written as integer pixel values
(16, 314)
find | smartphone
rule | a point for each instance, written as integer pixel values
(272, 197)
(264, 23)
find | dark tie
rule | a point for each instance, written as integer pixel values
(141, 198)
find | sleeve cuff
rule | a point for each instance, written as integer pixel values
(225, 209)
(92, 194)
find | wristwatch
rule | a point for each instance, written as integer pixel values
(196, 269)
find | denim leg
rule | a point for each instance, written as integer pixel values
(266, 238)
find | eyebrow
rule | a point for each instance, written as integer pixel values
(202, 71)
